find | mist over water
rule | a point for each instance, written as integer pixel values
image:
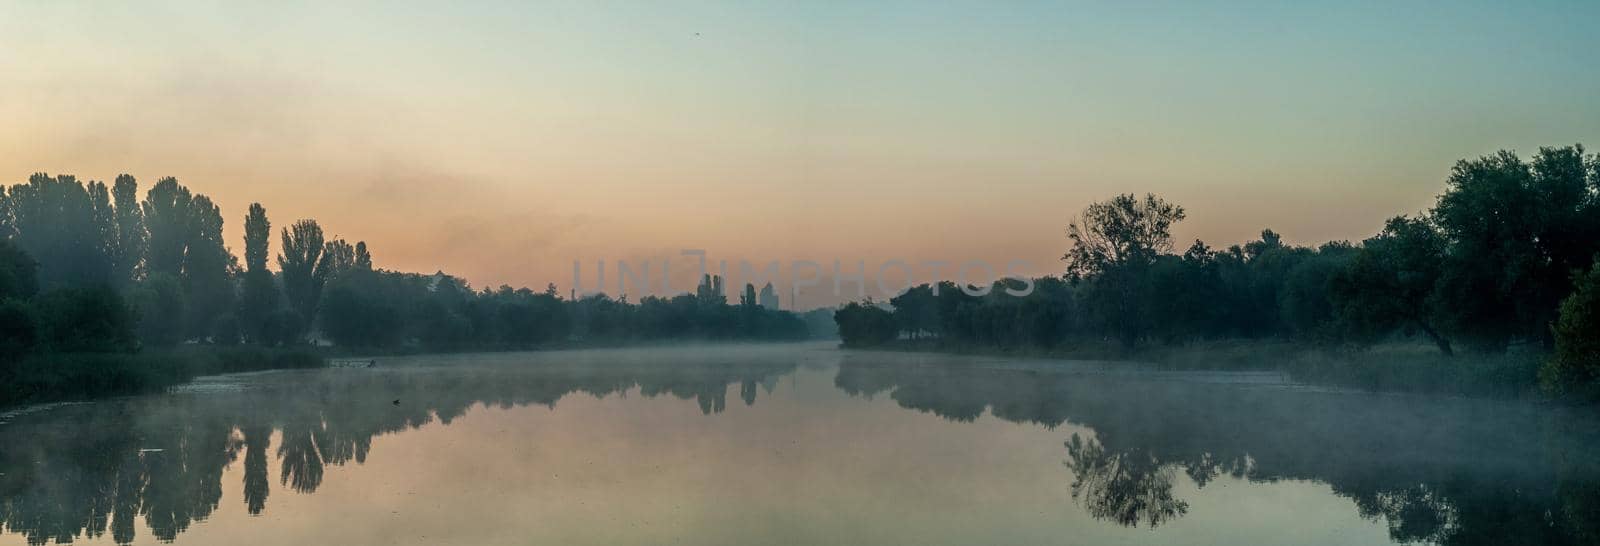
(788, 444)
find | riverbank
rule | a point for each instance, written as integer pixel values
(1396, 367)
(74, 376)
(337, 352)
(61, 377)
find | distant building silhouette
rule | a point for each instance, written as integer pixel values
(769, 297)
(710, 290)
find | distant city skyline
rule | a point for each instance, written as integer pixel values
(501, 142)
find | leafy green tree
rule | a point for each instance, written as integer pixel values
(1574, 369)
(1516, 231)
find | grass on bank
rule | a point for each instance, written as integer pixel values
(1391, 367)
(1414, 369)
(70, 376)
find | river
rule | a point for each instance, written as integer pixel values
(790, 444)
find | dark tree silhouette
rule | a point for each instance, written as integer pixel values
(864, 324)
(185, 243)
(1127, 488)
(65, 226)
(1391, 283)
(208, 268)
(166, 217)
(1575, 367)
(130, 240)
(258, 298)
(1517, 231)
(257, 235)
(303, 268)
(1114, 244)
(18, 272)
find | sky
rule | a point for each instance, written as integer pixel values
(502, 141)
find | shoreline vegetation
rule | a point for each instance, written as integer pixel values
(1493, 291)
(103, 292)
(62, 377)
(1392, 367)
(67, 377)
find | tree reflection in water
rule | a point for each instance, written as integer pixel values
(161, 459)
(1435, 470)
(1122, 487)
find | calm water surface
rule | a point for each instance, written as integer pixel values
(789, 444)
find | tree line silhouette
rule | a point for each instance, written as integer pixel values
(92, 274)
(1507, 258)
